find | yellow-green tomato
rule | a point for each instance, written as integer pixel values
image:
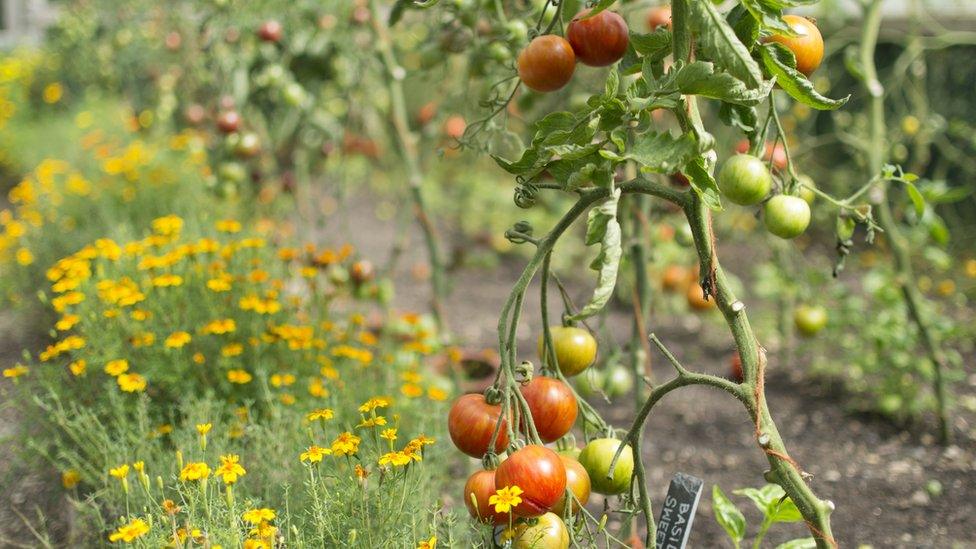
(596, 458)
(590, 382)
(745, 180)
(806, 189)
(545, 532)
(786, 216)
(575, 349)
(810, 319)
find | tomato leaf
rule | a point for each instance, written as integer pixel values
(703, 183)
(655, 45)
(661, 152)
(600, 6)
(768, 14)
(719, 43)
(701, 78)
(728, 516)
(800, 543)
(602, 226)
(781, 63)
(739, 116)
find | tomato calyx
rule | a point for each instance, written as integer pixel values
(493, 395)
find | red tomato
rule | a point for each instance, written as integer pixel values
(696, 298)
(479, 488)
(454, 126)
(547, 63)
(600, 40)
(471, 423)
(540, 474)
(578, 482)
(270, 31)
(553, 407)
(659, 16)
(675, 278)
(807, 46)
(228, 121)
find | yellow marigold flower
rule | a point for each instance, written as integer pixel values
(309, 272)
(436, 393)
(24, 257)
(372, 422)
(368, 338)
(131, 383)
(282, 380)
(321, 413)
(167, 281)
(231, 349)
(164, 429)
(130, 532)
(219, 326)
(361, 472)
(195, 471)
(167, 226)
(199, 358)
(504, 499)
(429, 544)
(204, 428)
(346, 444)
(78, 367)
(389, 434)
(314, 454)
(411, 377)
(412, 390)
(240, 377)
(52, 94)
(120, 472)
(139, 466)
(16, 371)
(139, 315)
(170, 507)
(219, 284)
(317, 389)
(177, 340)
(228, 226)
(117, 367)
(252, 543)
(67, 322)
(257, 516)
(70, 479)
(287, 399)
(423, 440)
(230, 469)
(396, 459)
(374, 403)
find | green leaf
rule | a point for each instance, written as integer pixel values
(764, 498)
(745, 24)
(661, 152)
(602, 226)
(739, 116)
(781, 63)
(767, 14)
(600, 6)
(703, 183)
(719, 43)
(529, 162)
(785, 511)
(801, 543)
(655, 45)
(728, 516)
(700, 78)
(916, 197)
(613, 83)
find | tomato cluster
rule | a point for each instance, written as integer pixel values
(549, 61)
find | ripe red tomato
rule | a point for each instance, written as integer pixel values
(454, 126)
(471, 422)
(547, 63)
(786, 216)
(553, 407)
(735, 368)
(675, 278)
(228, 121)
(575, 349)
(548, 532)
(173, 41)
(600, 40)
(659, 16)
(480, 487)
(745, 180)
(578, 482)
(540, 474)
(270, 31)
(807, 46)
(810, 319)
(426, 113)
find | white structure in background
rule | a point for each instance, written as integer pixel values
(23, 21)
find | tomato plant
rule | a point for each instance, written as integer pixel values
(597, 457)
(477, 491)
(471, 424)
(577, 482)
(786, 216)
(805, 43)
(553, 407)
(547, 63)
(575, 349)
(598, 40)
(539, 473)
(545, 532)
(745, 180)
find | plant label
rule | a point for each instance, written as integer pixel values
(679, 511)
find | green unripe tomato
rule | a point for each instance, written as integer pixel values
(293, 94)
(745, 180)
(786, 216)
(248, 145)
(518, 31)
(499, 52)
(590, 382)
(619, 382)
(575, 349)
(232, 172)
(806, 189)
(810, 319)
(596, 458)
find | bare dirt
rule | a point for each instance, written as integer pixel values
(875, 473)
